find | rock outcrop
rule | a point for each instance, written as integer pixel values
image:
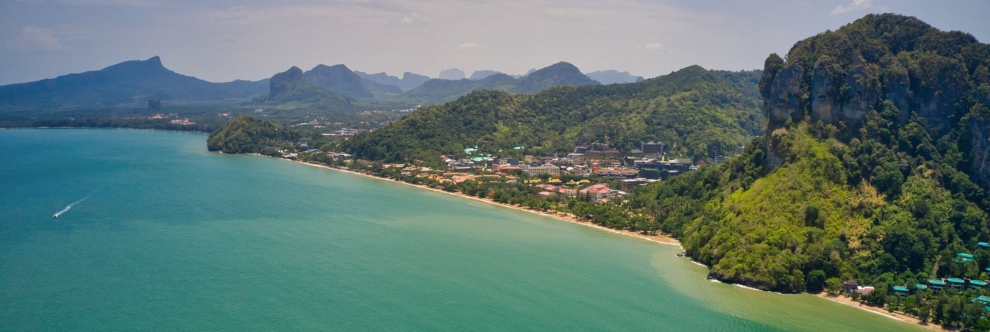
(884, 63)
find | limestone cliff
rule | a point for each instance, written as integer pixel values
(885, 67)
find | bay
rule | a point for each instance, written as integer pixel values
(171, 237)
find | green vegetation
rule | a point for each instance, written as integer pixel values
(700, 114)
(439, 91)
(292, 86)
(858, 176)
(873, 166)
(245, 134)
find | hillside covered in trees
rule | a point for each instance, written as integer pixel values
(872, 168)
(246, 134)
(700, 113)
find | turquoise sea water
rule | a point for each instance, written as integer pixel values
(171, 237)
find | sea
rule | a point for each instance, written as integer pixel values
(155, 233)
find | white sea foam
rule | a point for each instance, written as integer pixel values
(746, 287)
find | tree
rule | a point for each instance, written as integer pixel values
(815, 281)
(834, 286)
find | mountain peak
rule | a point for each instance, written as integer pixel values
(452, 74)
(155, 61)
(561, 73)
(339, 79)
(612, 76)
(334, 67)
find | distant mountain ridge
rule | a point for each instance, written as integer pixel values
(408, 81)
(439, 90)
(613, 77)
(481, 74)
(339, 79)
(292, 87)
(129, 82)
(452, 74)
(698, 112)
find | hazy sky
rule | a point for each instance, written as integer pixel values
(220, 40)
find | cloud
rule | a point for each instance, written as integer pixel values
(409, 19)
(35, 38)
(856, 5)
(468, 46)
(413, 19)
(653, 46)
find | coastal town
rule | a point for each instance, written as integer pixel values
(596, 171)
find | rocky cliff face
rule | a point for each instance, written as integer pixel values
(884, 63)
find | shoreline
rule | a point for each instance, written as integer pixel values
(661, 239)
(110, 128)
(665, 240)
(881, 311)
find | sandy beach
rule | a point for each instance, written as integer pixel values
(666, 240)
(661, 239)
(881, 311)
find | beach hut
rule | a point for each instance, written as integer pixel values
(850, 286)
(936, 284)
(978, 283)
(900, 290)
(963, 258)
(956, 283)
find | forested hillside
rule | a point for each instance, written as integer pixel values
(291, 89)
(868, 170)
(245, 134)
(700, 113)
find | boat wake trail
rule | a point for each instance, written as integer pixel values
(66, 209)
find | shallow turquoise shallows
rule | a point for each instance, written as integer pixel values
(166, 236)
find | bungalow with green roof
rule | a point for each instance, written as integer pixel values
(963, 258)
(900, 290)
(978, 283)
(983, 245)
(956, 283)
(920, 287)
(983, 299)
(936, 284)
